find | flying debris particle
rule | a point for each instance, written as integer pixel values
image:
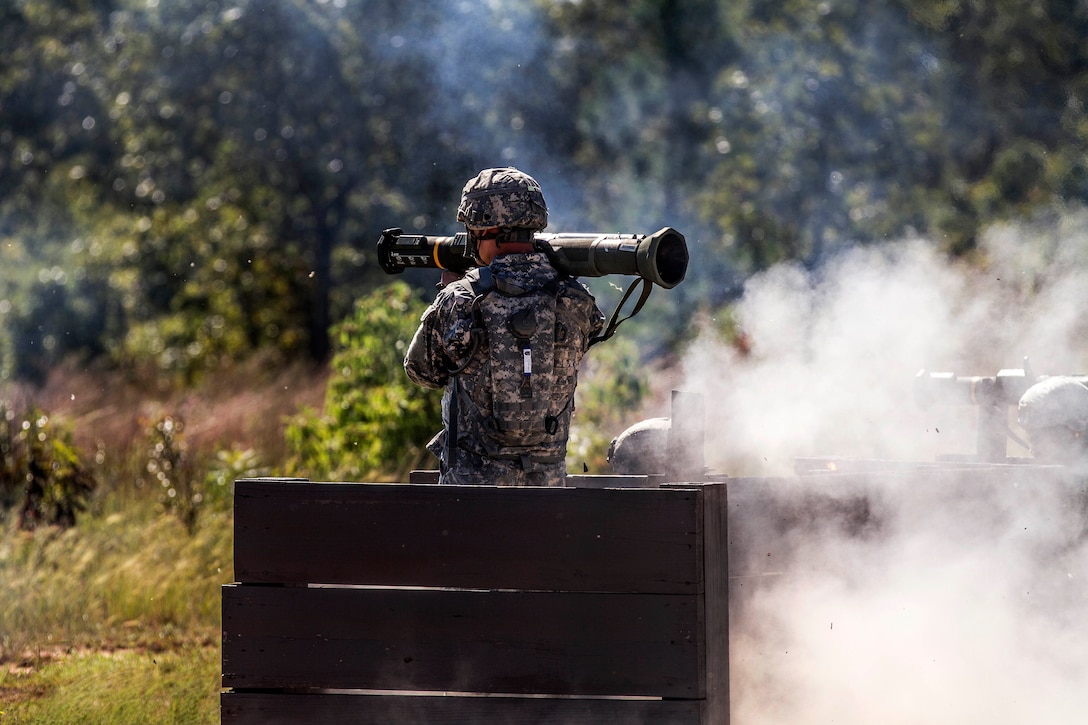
(312, 274)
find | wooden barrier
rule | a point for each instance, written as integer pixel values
(394, 603)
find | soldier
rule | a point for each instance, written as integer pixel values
(1054, 413)
(505, 342)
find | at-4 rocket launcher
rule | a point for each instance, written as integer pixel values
(660, 258)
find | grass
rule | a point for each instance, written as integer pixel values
(118, 619)
(126, 686)
(127, 579)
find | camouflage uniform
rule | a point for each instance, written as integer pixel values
(445, 342)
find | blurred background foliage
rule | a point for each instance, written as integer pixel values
(191, 190)
(186, 184)
(373, 414)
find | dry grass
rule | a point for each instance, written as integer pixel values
(244, 406)
(118, 618)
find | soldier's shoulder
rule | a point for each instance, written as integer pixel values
(461, 291)
(574, 294)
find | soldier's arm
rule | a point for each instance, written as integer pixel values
(425, 362)
(586, 309)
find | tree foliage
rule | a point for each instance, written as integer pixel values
(185, 182)
(613, 387)
(375, 420)
(41, 472)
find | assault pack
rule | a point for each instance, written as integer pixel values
(530, 372)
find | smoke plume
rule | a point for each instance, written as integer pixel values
(924, 596)
(931, 598)
(830, 356)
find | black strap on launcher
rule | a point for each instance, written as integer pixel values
(614, 321)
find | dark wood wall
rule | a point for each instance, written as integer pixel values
(379, 603)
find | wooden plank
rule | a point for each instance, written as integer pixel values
(615, 481)
(466, 641)
(468, 536)
(573, 480)
(250, 708)
(715, 624)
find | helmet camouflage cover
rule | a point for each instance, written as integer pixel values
(1056, 401)
(504, 198)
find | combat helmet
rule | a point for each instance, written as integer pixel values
(1054, 412)
(641, 449)
(505, 198)
(1053, 402)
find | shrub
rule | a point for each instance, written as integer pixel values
(375, 422)
(40, 469)
(171, 467)
(612, 390)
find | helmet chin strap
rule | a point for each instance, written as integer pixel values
(514, 241)
(515, 235)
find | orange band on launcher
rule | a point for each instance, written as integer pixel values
(434, 253)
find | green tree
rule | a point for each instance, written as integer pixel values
(182, 183)
(1017, 76)
(856, 123)
(50, 133)
(195, 160)
(375, 422)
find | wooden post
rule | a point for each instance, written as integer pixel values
(686, 436)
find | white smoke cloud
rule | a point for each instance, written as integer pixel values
(962, 602)
(834, 353)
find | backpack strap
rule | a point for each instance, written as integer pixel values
(482, 282)
(481, 285)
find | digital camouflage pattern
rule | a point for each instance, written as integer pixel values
(511, 428)
(503, 198)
